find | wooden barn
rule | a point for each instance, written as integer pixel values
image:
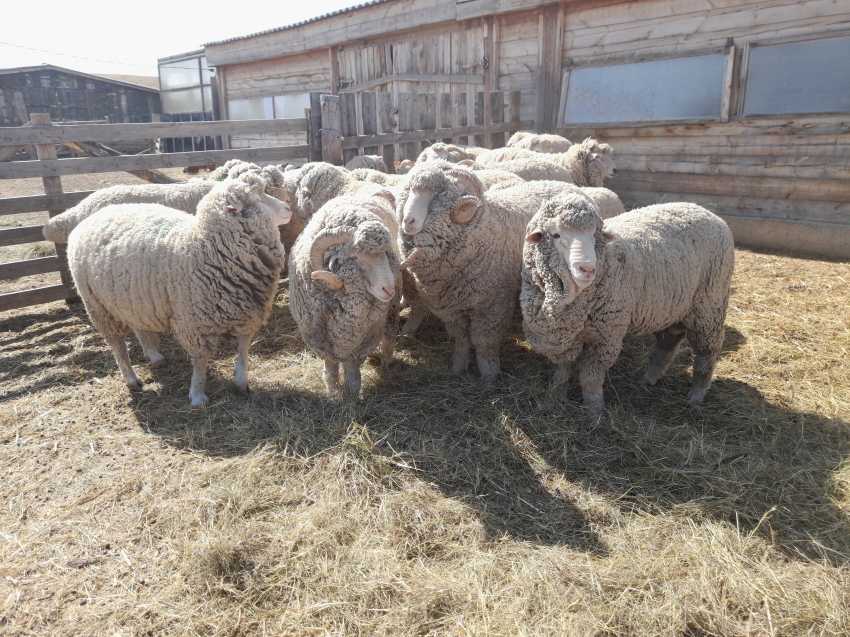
(738, 105)
(73, 96)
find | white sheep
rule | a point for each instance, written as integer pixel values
(154, 269)
(540, 143)
(183, 196)
(453, 153)
(345, 285)
(463, 250)
(373, 162)
(662, 270)
(377, 177)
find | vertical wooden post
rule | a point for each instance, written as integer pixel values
(446, 114)
(514, 108)
(334, 55)
(331, 127)
(224, 108)
(427, 114)
(155, 117)
(406, 123)
(21, 112)
(497, 116)
(315, 127)
(461, 116)
(488, 76)
(550, 41)
(348, 114)
(386, 125)
(53, 186)
(479, 117)
(369, 108)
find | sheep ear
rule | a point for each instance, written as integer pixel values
(534, 237)
(386, 194)
(234, 210)
(331, 280)
(593, 156)
(465, 209)
(608, 237)
(467, 162)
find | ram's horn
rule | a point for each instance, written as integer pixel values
(332, 280)
(469, 181)
(411, 258)
(325, 240)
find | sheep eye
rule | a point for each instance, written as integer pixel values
(556, 236)
(354, 258)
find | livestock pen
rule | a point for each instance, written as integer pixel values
(433, 506)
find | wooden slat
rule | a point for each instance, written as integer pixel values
(803, 146)
(445, 114)
(386, 126)
(12, 136)
(331, 126)
(15, 300)
(96, 149)
(731, 166)
(428, 113)
(38, 203)
(812, 189)
(7, 151)
(348, 120)
(314, 138)
(369, 111)
(30, 267)
(461, 117)
(409, 77)
(497, 116)
(18, 236)
(418, 136)
(795, 126)
(478, 113)
(514, 99)
(406, 123)
(78, 166)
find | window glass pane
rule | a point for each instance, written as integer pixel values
(208, 104)
(206, 72)
(258, 108)
(179, 74)
(182, 101)
(661, 90)
(801, 77)
(289, 106)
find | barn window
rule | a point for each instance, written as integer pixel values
(291, 106)
(668, 90)
(185, 85)
(797, 78)
(257, 108)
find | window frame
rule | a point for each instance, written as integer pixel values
(745, 69)
(725, 93)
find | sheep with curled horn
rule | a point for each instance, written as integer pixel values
(345, 285)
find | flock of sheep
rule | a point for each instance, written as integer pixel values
(464, 234)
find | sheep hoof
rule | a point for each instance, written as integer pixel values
(156, 359)
(244, 390)
(650, 379)
(199, 401)
(135, 383)
(697, 395)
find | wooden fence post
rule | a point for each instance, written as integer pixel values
(497, 116)
(348, 122)
(386, 125)
(53, 186)
(369, 109)
(514, 108)
(446, 114)
(315, 127)
(331, 127)
(406, 150)
(461, 116)
(427, 114)
(480, 140)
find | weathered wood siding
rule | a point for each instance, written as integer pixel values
(519, 52)
(765, 175)
(310, 71)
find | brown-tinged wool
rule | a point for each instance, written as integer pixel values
(468, 274)
(541, 143)
(668, 268)
(183, 196)
(155, 269)
(584, 169)
(346, 325)
(450, 152)
(371, 162)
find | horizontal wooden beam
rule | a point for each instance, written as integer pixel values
(439, 133)
(20, 135)
(409, 77)
(15, 300)
(17, 236)
(6, 152)
(32, 266)
(49, 167)
(37, 203)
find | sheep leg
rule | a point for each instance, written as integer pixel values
(122, 357)
(459, 330)
(199, 381)
(351, 377)
(707, 345)
(486, 331)
(240, 372)
(150, 345)
(594, 363)
(390, 331)
(331, 375)
(561, 376)
(667, 344)
(418, 313)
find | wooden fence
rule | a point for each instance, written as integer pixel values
(336, 129)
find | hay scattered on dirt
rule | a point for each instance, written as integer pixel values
(433, 506)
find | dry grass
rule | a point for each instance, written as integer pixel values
(433, 506)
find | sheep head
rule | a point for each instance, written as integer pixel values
(365, 248)
(599, 165)
(431, 179)
(569, 228)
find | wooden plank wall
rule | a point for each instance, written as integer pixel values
(303, 73)
(766, 170)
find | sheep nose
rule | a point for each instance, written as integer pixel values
(587, 270)
(389, 290)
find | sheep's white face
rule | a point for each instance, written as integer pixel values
(576, 247)
(375, 268)
(279, 210)
(609, 168)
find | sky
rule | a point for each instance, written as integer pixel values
(94, 36)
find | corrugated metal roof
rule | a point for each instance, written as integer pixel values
(303, 22)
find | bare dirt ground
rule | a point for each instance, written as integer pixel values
(433, 506)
